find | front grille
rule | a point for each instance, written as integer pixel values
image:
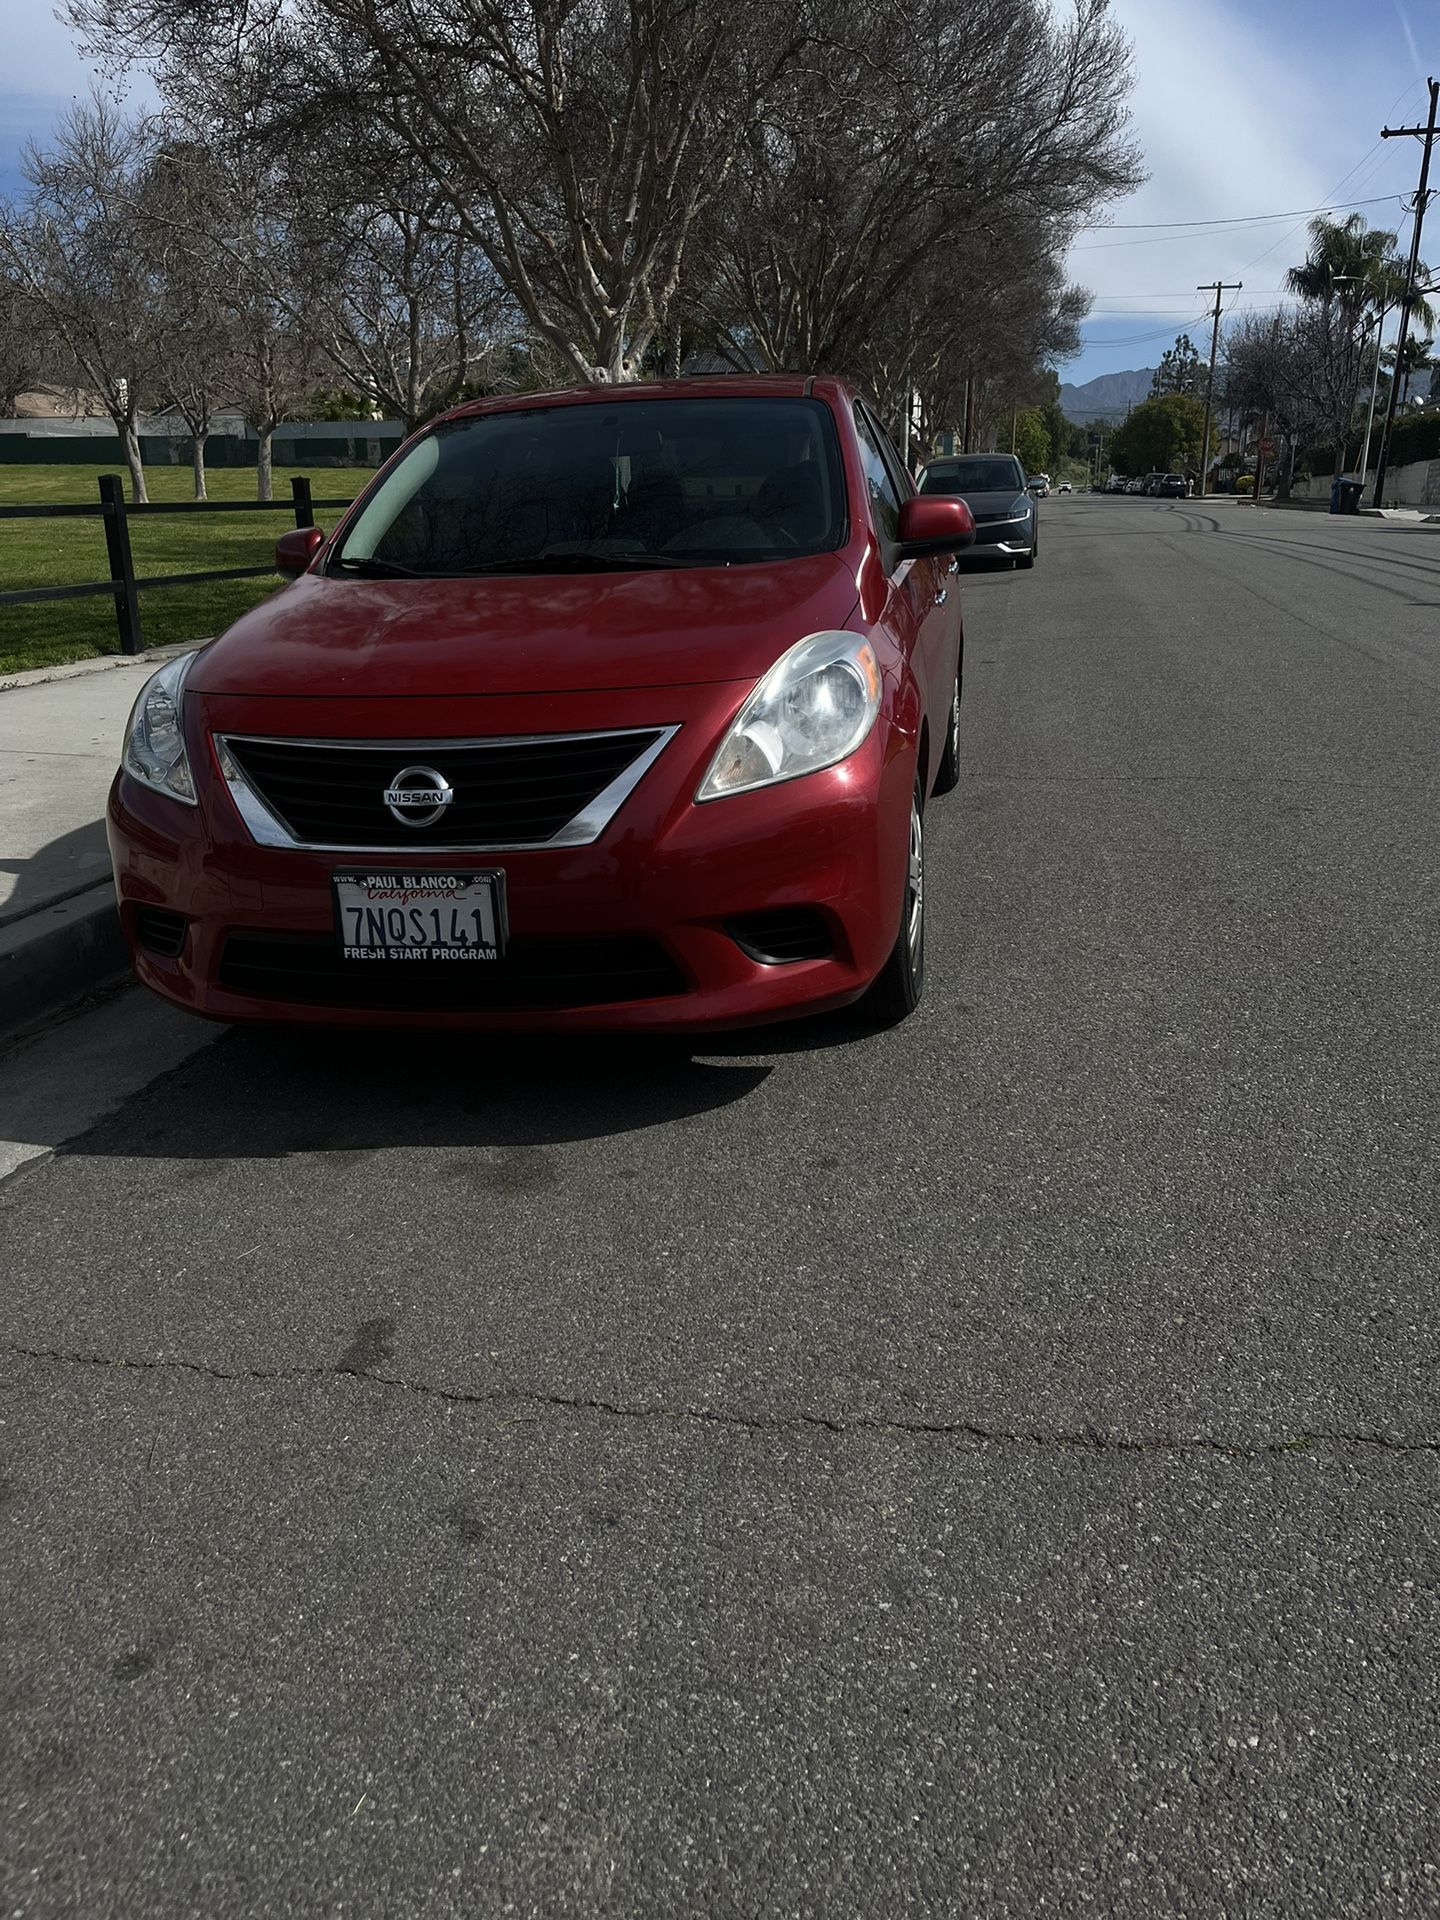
(160, 931)
(534, 975)
(507, 793)
(782, 934)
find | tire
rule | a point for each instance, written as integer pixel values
(948, 778)
(895, 992)
(1027, 560)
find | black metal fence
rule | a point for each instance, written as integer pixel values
(123, 586)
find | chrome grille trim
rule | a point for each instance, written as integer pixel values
(266, 828)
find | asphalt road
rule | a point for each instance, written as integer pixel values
(987, 1468)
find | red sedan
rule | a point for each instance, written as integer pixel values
(612, 708)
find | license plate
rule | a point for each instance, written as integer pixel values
(420, 919)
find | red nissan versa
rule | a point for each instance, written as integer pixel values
(614, 708)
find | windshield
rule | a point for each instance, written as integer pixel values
(990, 473)
(710, 481)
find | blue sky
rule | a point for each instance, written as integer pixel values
(41, 77)
(1244, 109)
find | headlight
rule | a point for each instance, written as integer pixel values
(1021, 507)
(813, 708)
(154, 743)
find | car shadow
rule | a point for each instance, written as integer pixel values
(63, 867)
(266, 1093)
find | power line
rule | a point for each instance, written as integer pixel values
(1403, 95)
(1160, 333)
(1218, 229)
(1139, 339)
(1180, 293)
(1240, 223)
(1233, 219)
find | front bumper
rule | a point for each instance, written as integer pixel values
(665, 872)
(1004, 536)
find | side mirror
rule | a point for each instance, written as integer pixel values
(295, 550)
(932, 523)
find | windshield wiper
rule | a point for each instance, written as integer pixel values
(372, 569)
(571, 563)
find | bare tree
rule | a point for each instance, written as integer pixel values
(241, 206)
(908, 123)
(406, 308)
(230, 234)
(573, 144)
(271, 370)
(77, 249)
(25, 348)
(1269, 370)
(994, 315)
(774, 179)
(181, 218)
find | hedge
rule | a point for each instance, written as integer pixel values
(1415, 440)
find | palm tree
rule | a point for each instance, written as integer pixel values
(1350, 270)
(1344, 253)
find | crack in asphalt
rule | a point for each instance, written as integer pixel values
(1090, 1440)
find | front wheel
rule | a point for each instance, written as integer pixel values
(895, 992)
(1028, 559)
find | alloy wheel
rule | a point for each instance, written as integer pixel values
(915, 889)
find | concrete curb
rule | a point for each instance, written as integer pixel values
(152, 658)
(58, 953)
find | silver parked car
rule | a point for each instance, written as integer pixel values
(994, 487)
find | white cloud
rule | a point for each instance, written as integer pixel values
(1409, 39)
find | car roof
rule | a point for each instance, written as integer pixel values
(749, 386)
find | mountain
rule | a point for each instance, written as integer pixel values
(1108, 397)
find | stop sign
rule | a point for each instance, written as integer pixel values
(1267, 449)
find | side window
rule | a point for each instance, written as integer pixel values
(884, 495)
(900, 473)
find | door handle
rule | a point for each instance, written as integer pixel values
(941, 597)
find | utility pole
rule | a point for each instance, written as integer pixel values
(1218, 288)
(1407, 299)
(1264, 436)
(1374, 389)
(1260, 445)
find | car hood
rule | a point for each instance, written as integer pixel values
(527, 633)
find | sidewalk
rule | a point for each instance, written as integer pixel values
(60, 735)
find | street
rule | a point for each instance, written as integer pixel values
(987, 1467)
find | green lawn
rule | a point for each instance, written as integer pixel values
(53, 553)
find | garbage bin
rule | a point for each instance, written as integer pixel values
(1345, 494)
